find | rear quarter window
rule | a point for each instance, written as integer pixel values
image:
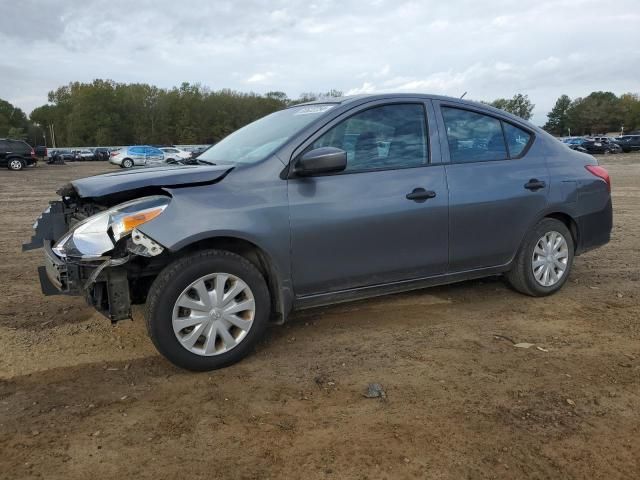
(517, 139)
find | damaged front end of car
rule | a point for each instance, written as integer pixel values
(94, 249)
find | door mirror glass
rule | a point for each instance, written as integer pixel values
(322, 160)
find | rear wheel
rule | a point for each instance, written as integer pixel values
(544, 260)
(207, 310)
(16, 164)
(127, 163)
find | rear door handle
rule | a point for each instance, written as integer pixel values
(420, 195)
(534, 184)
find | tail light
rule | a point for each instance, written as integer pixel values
(33, 152)
(600, 172)
(113, 154)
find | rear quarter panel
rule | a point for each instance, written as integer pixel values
(579, 194)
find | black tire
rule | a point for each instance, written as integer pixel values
(521, 276)
(16, 164)
(127, 163)
(171, 282)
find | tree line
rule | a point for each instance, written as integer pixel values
(105, 112)
(599, 112)
(108, 113)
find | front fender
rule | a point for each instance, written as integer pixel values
(256, 212)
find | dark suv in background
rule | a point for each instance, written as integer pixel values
(16, 154)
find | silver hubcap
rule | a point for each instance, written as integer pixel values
(213, 314)
(550, 258)
(16, 164)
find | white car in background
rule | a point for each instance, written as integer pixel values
(173, 154)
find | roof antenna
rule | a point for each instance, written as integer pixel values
(462, 96)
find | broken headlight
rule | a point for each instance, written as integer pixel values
(98, 234)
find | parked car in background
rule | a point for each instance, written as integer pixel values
(62, 155)
(628, 143)
(138, 155)
(198, 150)
(84, 155)
(600, 146)
(592, 146)
(288, 215)
(41, 151)
(101, 153)
(572, 140)
(16, 154)
(172, 154)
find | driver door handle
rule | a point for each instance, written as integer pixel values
(420, 195)
(534, 184)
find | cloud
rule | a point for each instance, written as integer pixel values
(260, 77)
(491, 50)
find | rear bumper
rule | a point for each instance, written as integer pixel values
(595, 229)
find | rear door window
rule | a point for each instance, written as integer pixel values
(473, 137)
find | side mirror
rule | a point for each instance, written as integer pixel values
(321, 160)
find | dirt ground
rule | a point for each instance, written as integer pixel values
(80, 398)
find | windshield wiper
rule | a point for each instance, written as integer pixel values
(206, 162)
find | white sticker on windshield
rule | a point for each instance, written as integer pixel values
(311, 109)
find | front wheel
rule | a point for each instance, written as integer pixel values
(543, 263)
(207, 310)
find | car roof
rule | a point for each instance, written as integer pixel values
(363, 98)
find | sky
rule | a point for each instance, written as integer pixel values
(490, 49)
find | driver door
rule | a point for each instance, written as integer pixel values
(363, 227)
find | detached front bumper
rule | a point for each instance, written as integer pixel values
(53, 275)
(104, 283)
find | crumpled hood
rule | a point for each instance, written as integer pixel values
(140, 178)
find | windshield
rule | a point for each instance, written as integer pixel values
(261, 138)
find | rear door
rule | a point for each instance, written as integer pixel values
(363, 226)
(498, 185)
(138, 155)
(153, 155)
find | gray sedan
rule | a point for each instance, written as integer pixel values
(322, 203)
